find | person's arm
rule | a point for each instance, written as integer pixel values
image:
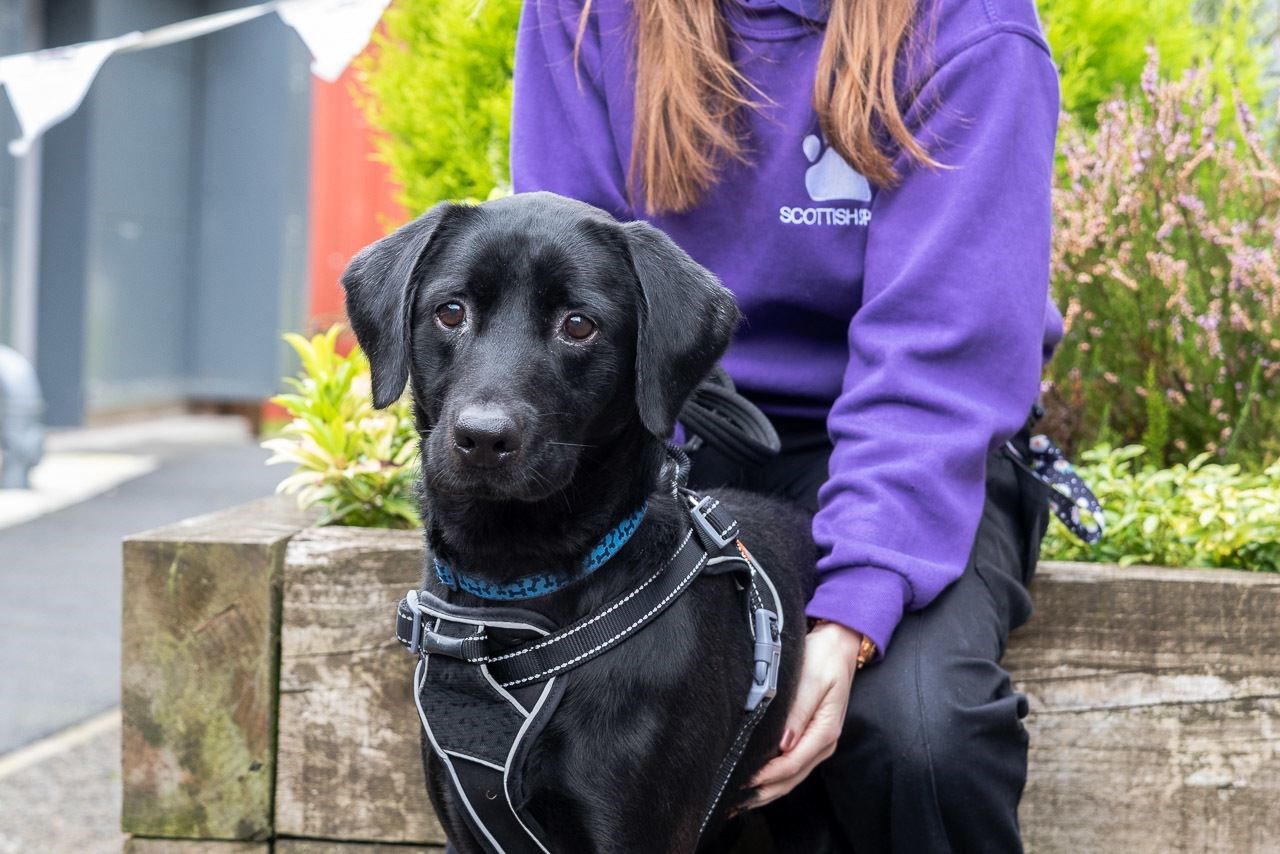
(944, 363)
(945, 351)
(562, 137)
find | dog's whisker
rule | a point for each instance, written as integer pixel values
(542, 479)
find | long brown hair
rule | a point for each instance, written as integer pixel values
(690, 98)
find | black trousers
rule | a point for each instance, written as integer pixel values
(933, 756)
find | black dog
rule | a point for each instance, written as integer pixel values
(550, 349)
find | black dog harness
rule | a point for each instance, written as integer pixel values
(488, 679)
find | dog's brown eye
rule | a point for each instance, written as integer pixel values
(451, 314)
(579, 327)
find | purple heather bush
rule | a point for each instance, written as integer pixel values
(1165, 263)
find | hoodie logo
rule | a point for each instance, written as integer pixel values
(829, 179)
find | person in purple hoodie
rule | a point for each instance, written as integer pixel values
(871, 179)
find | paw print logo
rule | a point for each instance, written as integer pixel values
(830, 177)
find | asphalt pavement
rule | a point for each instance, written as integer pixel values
(60, 576)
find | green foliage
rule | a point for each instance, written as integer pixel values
(1155, 436)
(1198, 514)
(1101, 48)
(438, 87)
(1166, 264)
(359, 464)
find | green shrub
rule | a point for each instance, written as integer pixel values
(437, 85)
(1101, 48)
(1166, 264)
(1198, 514)
(358, 464)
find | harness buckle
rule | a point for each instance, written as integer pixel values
(767, 658)
(415, 632)
(423, 641)
(713, 540)
(435, 643)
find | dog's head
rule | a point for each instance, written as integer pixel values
(532, 326)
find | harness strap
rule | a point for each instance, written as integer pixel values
(713, 533)
(710, 545)
(605, 629)
(766, 630)
(730, 762)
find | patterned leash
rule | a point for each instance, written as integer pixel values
(1071, 499)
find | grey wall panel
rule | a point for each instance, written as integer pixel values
(174, 222)
(253, 195)
(115, 17)
(144, 112)
(64, 221)
(15, 20)
(139, 282)
(143, 108)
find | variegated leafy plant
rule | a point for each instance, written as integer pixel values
(359, 464)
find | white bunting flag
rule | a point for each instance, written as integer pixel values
(335, 31)
(48, 85)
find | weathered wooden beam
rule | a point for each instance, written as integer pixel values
(317, 846)
(1155, 697)
(350, 765)
(139, 845)
(198, 672)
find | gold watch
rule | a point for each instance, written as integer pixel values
(866, 652)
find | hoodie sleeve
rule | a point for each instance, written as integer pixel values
(945, 353)
(562, 135)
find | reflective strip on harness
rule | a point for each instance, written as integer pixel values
(605, 629)
(489, 678)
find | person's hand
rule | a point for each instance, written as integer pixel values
(817, 713)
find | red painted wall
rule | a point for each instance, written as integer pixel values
(352, 203)
(352, 194)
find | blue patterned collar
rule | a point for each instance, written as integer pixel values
(542, 583)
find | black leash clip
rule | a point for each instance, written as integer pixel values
(767, 658)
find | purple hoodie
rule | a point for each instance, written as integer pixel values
(915, 319)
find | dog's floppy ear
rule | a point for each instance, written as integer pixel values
(686, 320)
(381, 283)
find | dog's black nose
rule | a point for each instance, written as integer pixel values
(485, 436)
